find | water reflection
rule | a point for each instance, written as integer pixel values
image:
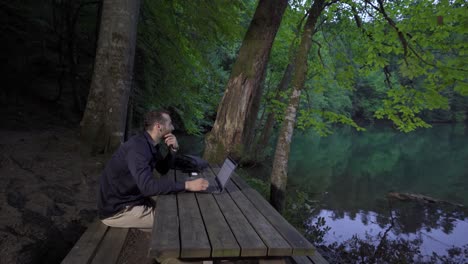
(357, 170)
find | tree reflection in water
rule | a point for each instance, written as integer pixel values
(408, 232)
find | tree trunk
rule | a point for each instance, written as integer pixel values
(237, 112)
(270, 121)
(279, 174)
(103, 123)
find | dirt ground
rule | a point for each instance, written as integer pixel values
(47, 188)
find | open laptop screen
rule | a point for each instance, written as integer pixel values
(226, 170)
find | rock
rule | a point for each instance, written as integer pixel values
(54, 211)
(88, 215)
(16, 199)
(60, 194)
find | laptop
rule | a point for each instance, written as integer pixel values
(218, 183)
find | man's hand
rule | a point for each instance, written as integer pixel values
(171, 142)
(196, 185)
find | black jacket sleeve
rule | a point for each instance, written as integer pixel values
(164, 165)
(138, 164)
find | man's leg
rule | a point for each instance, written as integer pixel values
(141, 217)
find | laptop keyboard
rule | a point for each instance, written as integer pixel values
(213, 184)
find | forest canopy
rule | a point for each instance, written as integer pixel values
(359, 66)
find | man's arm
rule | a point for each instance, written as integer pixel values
(138, 164)
(164, 165)
(168, 162)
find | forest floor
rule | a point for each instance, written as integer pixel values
(48, 189)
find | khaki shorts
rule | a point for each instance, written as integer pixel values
(141, 217)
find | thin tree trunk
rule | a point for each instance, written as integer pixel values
(270, 121)
(103, 123)
(237, 112)
(279, 174)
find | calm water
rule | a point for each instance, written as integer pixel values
(349, 174)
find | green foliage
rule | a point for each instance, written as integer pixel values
(187, 47)
(347, 59)
(261, 186)
(275, 106)
(429, 62)
(369, 93)
(321, 121)
(403, 105)
(404, 63)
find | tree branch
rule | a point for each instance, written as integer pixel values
(318, 51)
(392, 23)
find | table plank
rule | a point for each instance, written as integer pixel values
(223, 242)
(301, 246)
(165, 242)
(276, 244)
(194, 240)
(251, 245)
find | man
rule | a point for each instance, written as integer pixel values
(127, 183)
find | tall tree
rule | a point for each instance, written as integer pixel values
(280, 164)
(103, 123)
(233, 129)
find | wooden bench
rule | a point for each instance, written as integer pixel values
(99, 244)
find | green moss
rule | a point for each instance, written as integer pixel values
(214, 150)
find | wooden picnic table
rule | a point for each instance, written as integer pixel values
(237, 223)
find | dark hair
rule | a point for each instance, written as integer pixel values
(155, 116)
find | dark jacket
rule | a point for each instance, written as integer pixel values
(128, 178)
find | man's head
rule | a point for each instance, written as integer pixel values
(158, 123)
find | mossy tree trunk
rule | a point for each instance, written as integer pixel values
(279, 174)
(237, 113)
(103, 123)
